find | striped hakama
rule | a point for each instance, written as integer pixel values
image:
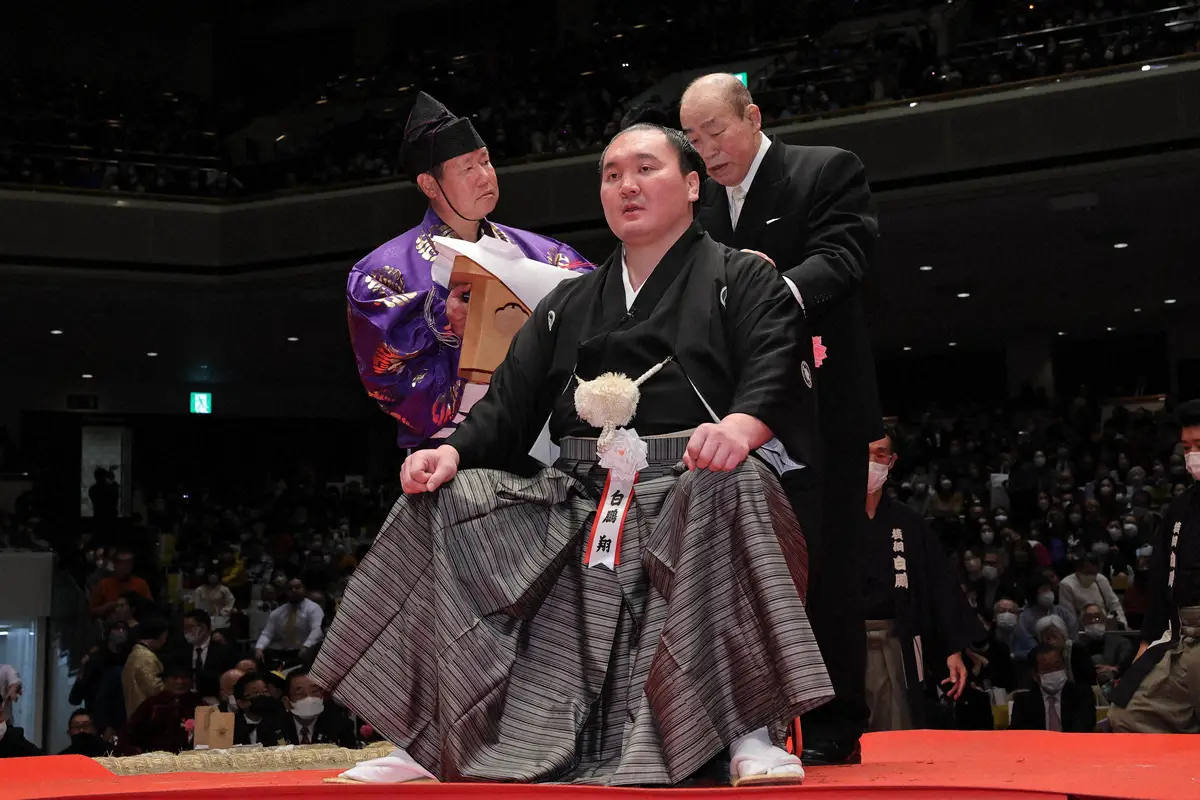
(473, 636)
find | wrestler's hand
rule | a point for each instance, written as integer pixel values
(426, 470)
(761, 255)
(456, 308)
(719, 447)
(958, 676)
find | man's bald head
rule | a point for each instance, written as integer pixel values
(722, 86)
(720, 119)
(228, 681)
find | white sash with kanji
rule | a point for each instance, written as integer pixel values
(604, 545)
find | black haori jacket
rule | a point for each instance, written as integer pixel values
(733, 331)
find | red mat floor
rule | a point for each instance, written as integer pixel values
(910, 765)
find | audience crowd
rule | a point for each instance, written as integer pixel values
(566, 94)
(1047, 515)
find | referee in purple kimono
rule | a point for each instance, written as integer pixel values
(406, 329)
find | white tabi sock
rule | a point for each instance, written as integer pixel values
(753, 754)
(396, 767)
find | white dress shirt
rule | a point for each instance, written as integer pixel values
(308, 626)
(737, 199)
(737, 194)
(203, 648)
(630, 292)
(1053, 701)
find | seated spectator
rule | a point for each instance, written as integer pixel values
(313, 720)
(158, 723)
(1086, 586)
(227, 699)
(1056, 704)
(1052, 630)
(1046, 604)
(98, 661)
(214, 598)
(85, 741)
(11, 688)
(109, 590)
(260, 717)
(142, 675)
(1111, 655)
(994, 582)
(209, 658)
(13, 743)
(293, 630)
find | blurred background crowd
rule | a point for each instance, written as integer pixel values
(536, 94)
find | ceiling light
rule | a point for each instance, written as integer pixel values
(293, 338)
(1120, 245)
(926, 268)
(1110, 329)
(954, 344)
(1137, 311)
(963, 295)
(152, 354)
(1170, 301)
(280, 137)
(1062, 333)
(1145, 67)
(87, 376)
(907, 348)
(56, 332)
(913, 104)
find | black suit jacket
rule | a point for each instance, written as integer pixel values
(332, 727)
(219, 659)
(271, 732)
(1078, 711)
(810, 210)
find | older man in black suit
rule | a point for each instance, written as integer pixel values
(808, 210)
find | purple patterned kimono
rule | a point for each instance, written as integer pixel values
(407, 356)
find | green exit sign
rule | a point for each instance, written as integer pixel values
(201, 403)
(743, 77)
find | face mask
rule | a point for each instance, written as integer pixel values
(308, 708)
(1046, 600)
(193, 638)
(1087, 581)
(1121, 499)
(1006, 620)
(280, 581)
(1043, 504)
(119, 637)
(1001, 519)
(262, 705)
(1075, 518)
(973, 565)
(990, 573)
(1114, 533)
(876, 476)
(1100, 548)
(987, 537)
(86, 741)
(1145, 551)
(1039, 462)
(1193, 464)
(1130, 529)
(1095, 630)
(1053, 682)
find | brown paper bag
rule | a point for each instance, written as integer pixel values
(214, 729)
(494, 315)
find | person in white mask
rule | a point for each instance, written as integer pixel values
(1159, 693)
(1110, 654)
(1055, 704)
(912, 601)
(313, 721)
